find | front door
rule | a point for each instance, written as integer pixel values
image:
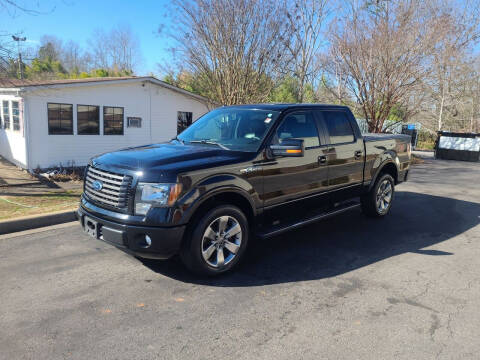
(295, 186)
(346, 155)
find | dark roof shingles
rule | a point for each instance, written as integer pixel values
(12, 83)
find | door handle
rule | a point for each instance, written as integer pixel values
(322, 160)
(358, 153)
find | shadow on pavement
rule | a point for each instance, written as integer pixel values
(343, 243)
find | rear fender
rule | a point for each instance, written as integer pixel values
(388, 157)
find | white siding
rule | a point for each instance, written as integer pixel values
(145, 101)
(12, 143)
(165, 104)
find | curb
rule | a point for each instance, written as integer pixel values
(36, 221)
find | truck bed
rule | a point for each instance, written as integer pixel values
(381, 147)
(378, 137)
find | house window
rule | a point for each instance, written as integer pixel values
(88, 120)
(6, 114)
(184, 120)
(112, 120)
(15, 116)
(60, 119)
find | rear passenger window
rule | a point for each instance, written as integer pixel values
(298, 126)
(339, 127)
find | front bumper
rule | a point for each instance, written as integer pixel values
(165, 241)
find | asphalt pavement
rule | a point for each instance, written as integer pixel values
(404, 287)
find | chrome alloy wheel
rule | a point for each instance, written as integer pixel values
(384, 196)
(221, 241)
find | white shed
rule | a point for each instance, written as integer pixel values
(48, 123)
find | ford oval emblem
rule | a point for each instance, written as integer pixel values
(97, 185)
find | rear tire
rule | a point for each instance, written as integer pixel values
(378, 201)
(216, 242)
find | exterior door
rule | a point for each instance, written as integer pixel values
(346, 155)
(294, 186)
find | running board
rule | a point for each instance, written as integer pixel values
(281, 229)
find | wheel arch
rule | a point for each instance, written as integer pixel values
(228, 196)
(387, 167)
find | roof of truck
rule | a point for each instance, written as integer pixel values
(284, 106)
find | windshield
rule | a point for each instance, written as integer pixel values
(230, 128)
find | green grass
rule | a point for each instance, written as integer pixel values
(17, 206)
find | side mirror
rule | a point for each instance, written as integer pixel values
(288, 147)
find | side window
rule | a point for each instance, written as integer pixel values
(6, 114)
(16, 116)
(184, 120)
(112, 120)
(339, 127)
(60, 119)
(299, 126)
(88, 120)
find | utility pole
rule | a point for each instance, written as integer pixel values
(20, 67)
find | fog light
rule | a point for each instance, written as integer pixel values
(148, 241)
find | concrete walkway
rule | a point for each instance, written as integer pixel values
(11, 175)
(16, 181)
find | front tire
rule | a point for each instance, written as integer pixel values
(217, 241)
(378, 201)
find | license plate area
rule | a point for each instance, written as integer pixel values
(91, 227)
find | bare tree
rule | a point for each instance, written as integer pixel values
(73, 58)
(13, 7)
(378, 52)
(456, 29)
(118, 49)
(236, 46)
(307, 20)
(50, 47)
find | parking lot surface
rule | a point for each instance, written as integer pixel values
(404, 287)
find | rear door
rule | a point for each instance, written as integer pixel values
(345, 153)
(294, 186)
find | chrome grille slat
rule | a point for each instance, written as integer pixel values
(115, 191)
(101, 193)
(106, 174)
(99, 199)
(110, 181)
(110, 192)
(110, 186)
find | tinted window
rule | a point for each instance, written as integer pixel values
(239, 129)
(184, 120)
(298, 126)
(60, 119)
(88, 120)
(339, 127)
(112, 120)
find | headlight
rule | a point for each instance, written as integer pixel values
(155, 195)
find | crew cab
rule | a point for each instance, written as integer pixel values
(236, 175)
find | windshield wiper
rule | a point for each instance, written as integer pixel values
(210, 142)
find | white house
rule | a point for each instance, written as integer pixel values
(48, 123)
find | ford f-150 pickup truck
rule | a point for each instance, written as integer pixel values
(238, 174)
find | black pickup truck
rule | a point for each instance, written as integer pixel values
(237, 174)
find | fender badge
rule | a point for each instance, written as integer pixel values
(249, 170)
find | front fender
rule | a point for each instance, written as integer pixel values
(212, 186)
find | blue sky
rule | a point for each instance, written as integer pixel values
(76, 20)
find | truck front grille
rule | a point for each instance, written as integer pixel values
(107, 188)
